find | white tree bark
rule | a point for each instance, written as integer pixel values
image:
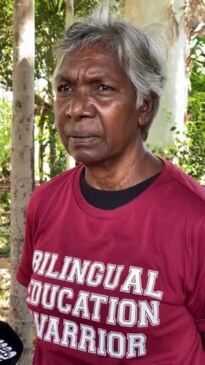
(173, 106)
(69, 16)
(22, 159)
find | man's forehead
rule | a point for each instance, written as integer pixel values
(94, 58)
(92, 52)
(92, 48)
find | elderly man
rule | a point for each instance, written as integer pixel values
(114, 250)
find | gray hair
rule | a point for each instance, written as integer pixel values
(142, 59)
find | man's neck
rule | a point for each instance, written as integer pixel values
(118, 176)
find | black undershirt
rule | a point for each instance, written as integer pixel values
(112, 199)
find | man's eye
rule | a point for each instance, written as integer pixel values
(64, 88)
(103, 87)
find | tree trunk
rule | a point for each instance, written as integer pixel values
(69, 14)
(41, 146)
(173, 106)
(69, 17)
(22, 159)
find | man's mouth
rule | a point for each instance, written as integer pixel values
(82, 137)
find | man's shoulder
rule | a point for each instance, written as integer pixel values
(65, 177)
(55, 187)
(184, 188)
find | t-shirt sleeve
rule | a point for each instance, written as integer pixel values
(196, 275)
(24, 271)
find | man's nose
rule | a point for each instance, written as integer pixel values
(79, 106)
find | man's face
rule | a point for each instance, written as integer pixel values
(95, 107)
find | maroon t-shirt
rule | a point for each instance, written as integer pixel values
(125, 286)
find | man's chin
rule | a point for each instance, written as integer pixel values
(88, 161)
(86, 157)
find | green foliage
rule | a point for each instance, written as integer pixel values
(192, 156)
(6, 43)
(49, 26)
(61, 158)
(189, 149)
(4, 242)
(85, 7)
(4, 223)
(5, 138)
(5, 156)
(188, 152)
(197, 76)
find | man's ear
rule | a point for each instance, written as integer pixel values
(145, 111)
